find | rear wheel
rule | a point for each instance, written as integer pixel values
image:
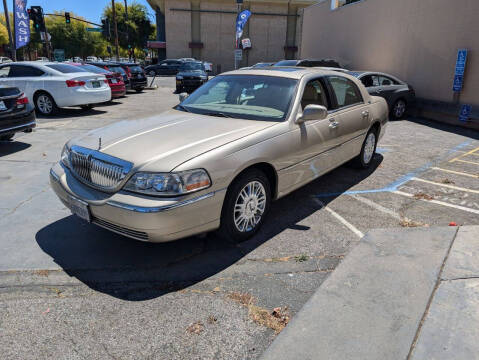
(139, 90)
(368, 150)
(45, 104)
(245, 207)
(87, 107)
(399, 109)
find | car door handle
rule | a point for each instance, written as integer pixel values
(334, 124)
(365, 113)
(378, 91)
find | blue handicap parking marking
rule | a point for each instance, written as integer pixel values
(465, 112)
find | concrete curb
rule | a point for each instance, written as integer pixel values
(373, 304)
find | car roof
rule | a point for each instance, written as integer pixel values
(292, 72)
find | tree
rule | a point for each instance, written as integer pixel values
(138, 27)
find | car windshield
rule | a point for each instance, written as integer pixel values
(286, 63)
(249, 97)
(65, 68)
(117, 69)
(135, 68)
(191, 66)
(94, 69)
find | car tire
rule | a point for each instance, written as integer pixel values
(398, 109)
(45, 104)
(245, 206)
(7, 137)
(152, 73)
(139, 90)
(86, 107)
(365, 157)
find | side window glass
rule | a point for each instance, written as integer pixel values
(385, 81)
(4, 71)
(314, 94)
(370, 80)
(347, 93)
(24, 71)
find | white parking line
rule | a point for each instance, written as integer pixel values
(474, 211)
(455, 172)
(446, 185)
(378, 207)
(340, 218)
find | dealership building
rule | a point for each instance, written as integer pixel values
(205, 29)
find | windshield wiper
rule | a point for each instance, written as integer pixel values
(182, 108)
(218, 114)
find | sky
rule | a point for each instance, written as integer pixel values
(89, 9)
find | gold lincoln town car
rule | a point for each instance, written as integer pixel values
(217, 160)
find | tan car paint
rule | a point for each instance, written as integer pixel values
(176, 140)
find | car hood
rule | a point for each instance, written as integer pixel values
(163, 142)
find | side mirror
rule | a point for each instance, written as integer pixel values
(183, 96)
(312, 112)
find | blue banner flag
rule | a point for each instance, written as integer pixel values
(241, 21)
(22, 23)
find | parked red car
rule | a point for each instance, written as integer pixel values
(115, 80)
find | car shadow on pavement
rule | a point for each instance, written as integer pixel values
(132, 270)
(470, 133)
(12, 147)
(66, 113)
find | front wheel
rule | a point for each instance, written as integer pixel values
(245, 207)
(367, 151)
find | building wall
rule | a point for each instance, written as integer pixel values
(415, 40)
(216, 30)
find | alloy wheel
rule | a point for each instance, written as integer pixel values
(369, 148)
(399, 109)
(44, 104)
(249, 206)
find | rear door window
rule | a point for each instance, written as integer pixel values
(345, 91)
(386, 81)
(24, 71)
(4, 71)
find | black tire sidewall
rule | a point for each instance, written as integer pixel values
(228, 230)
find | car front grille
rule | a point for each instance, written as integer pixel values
(135, 234)
(99, 170)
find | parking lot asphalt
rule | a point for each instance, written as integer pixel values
(69, 289)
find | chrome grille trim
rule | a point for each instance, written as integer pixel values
(98, 170)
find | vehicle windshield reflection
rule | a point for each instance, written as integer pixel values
(243, 96)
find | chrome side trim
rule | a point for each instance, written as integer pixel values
(157, 209)
(18, 126)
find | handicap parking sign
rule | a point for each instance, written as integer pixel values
(459, 71)
(465, 112)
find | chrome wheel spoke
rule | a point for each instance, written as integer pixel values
(249, 206)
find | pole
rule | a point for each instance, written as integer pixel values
(47, 42)
(238, 10)
(10, 37)
(117, 50)
(127, 27)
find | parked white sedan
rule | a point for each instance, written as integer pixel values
(53, 85)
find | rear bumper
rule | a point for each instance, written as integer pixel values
(137, 84)
(82, 96)
(118, 91)
(18, 123)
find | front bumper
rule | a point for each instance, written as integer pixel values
(140, 217)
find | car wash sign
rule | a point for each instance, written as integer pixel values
(460, 68)
(22, 23)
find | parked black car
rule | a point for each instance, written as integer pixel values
(399, 95)
(135, 73)
(191, 76)
(113, 67)
(309, 63)
(165, 67)
(17, 114)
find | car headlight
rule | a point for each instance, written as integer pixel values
(172, 184)
(179, 77)
(65, 157)
(203, 77)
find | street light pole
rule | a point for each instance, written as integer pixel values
(117, 50)
(10, 37)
